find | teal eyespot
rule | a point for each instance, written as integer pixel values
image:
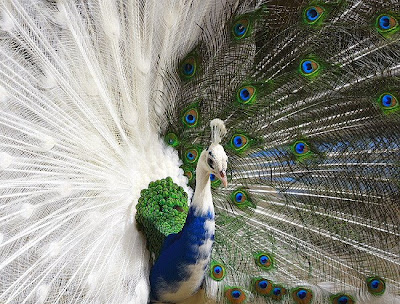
(376, 285)
(386, 22)
(278, 292)
(188, 67)
(215, 182)
(239, 142)
(191, 155)
(302, 295)
(309, 67)
(241, 28)
(342, 299)
(246, 94)
(241, 199)
(235, 295)
(387, 25)
(217, 271)
(313, 13)
(301, 149)
(388, 102)
(190, 117)
(262, 286)
(171, 139)
(264, 260)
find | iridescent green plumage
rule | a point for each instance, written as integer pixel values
(161, 211)
(309, 94)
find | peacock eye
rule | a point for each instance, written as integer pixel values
(386, 22)
(278, 292)
(188, 67)
(302, 295)
(172, 139)
(388, 101)
(240, 28)
(217, 271)
(301, 149)
(376, 285)
(239, 141)
(342, 299)
(263, 286)
(246, 95)
(190, 117)
(191, 156)
(235, 295)
(263, 260)
(309, 67)
(313, 14)
(210, 162)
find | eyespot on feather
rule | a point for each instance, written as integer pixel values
(262, 286)
(313, 14)
(376, 285)
(190, 118)
(264, 260)
(188, 67)
(302, 295)
(241, 28)
(278, 292)
(342, 298)
(171, 139)
(217, 271)
(246, 94)
(309, 67)
(388, 102)
(235, 295)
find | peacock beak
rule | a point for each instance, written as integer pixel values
(222, 177)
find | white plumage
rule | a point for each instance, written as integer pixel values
(81, 95)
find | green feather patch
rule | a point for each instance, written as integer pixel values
(171, 139)
(161, 211)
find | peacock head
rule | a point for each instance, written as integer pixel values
(215, 160)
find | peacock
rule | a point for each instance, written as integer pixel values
(184, 151)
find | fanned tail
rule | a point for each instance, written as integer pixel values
(309, 94)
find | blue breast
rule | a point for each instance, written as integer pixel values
(178, 252)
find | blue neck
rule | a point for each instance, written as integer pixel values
(180, 254)
(180, 268)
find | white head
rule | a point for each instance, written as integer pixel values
(215, 158)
